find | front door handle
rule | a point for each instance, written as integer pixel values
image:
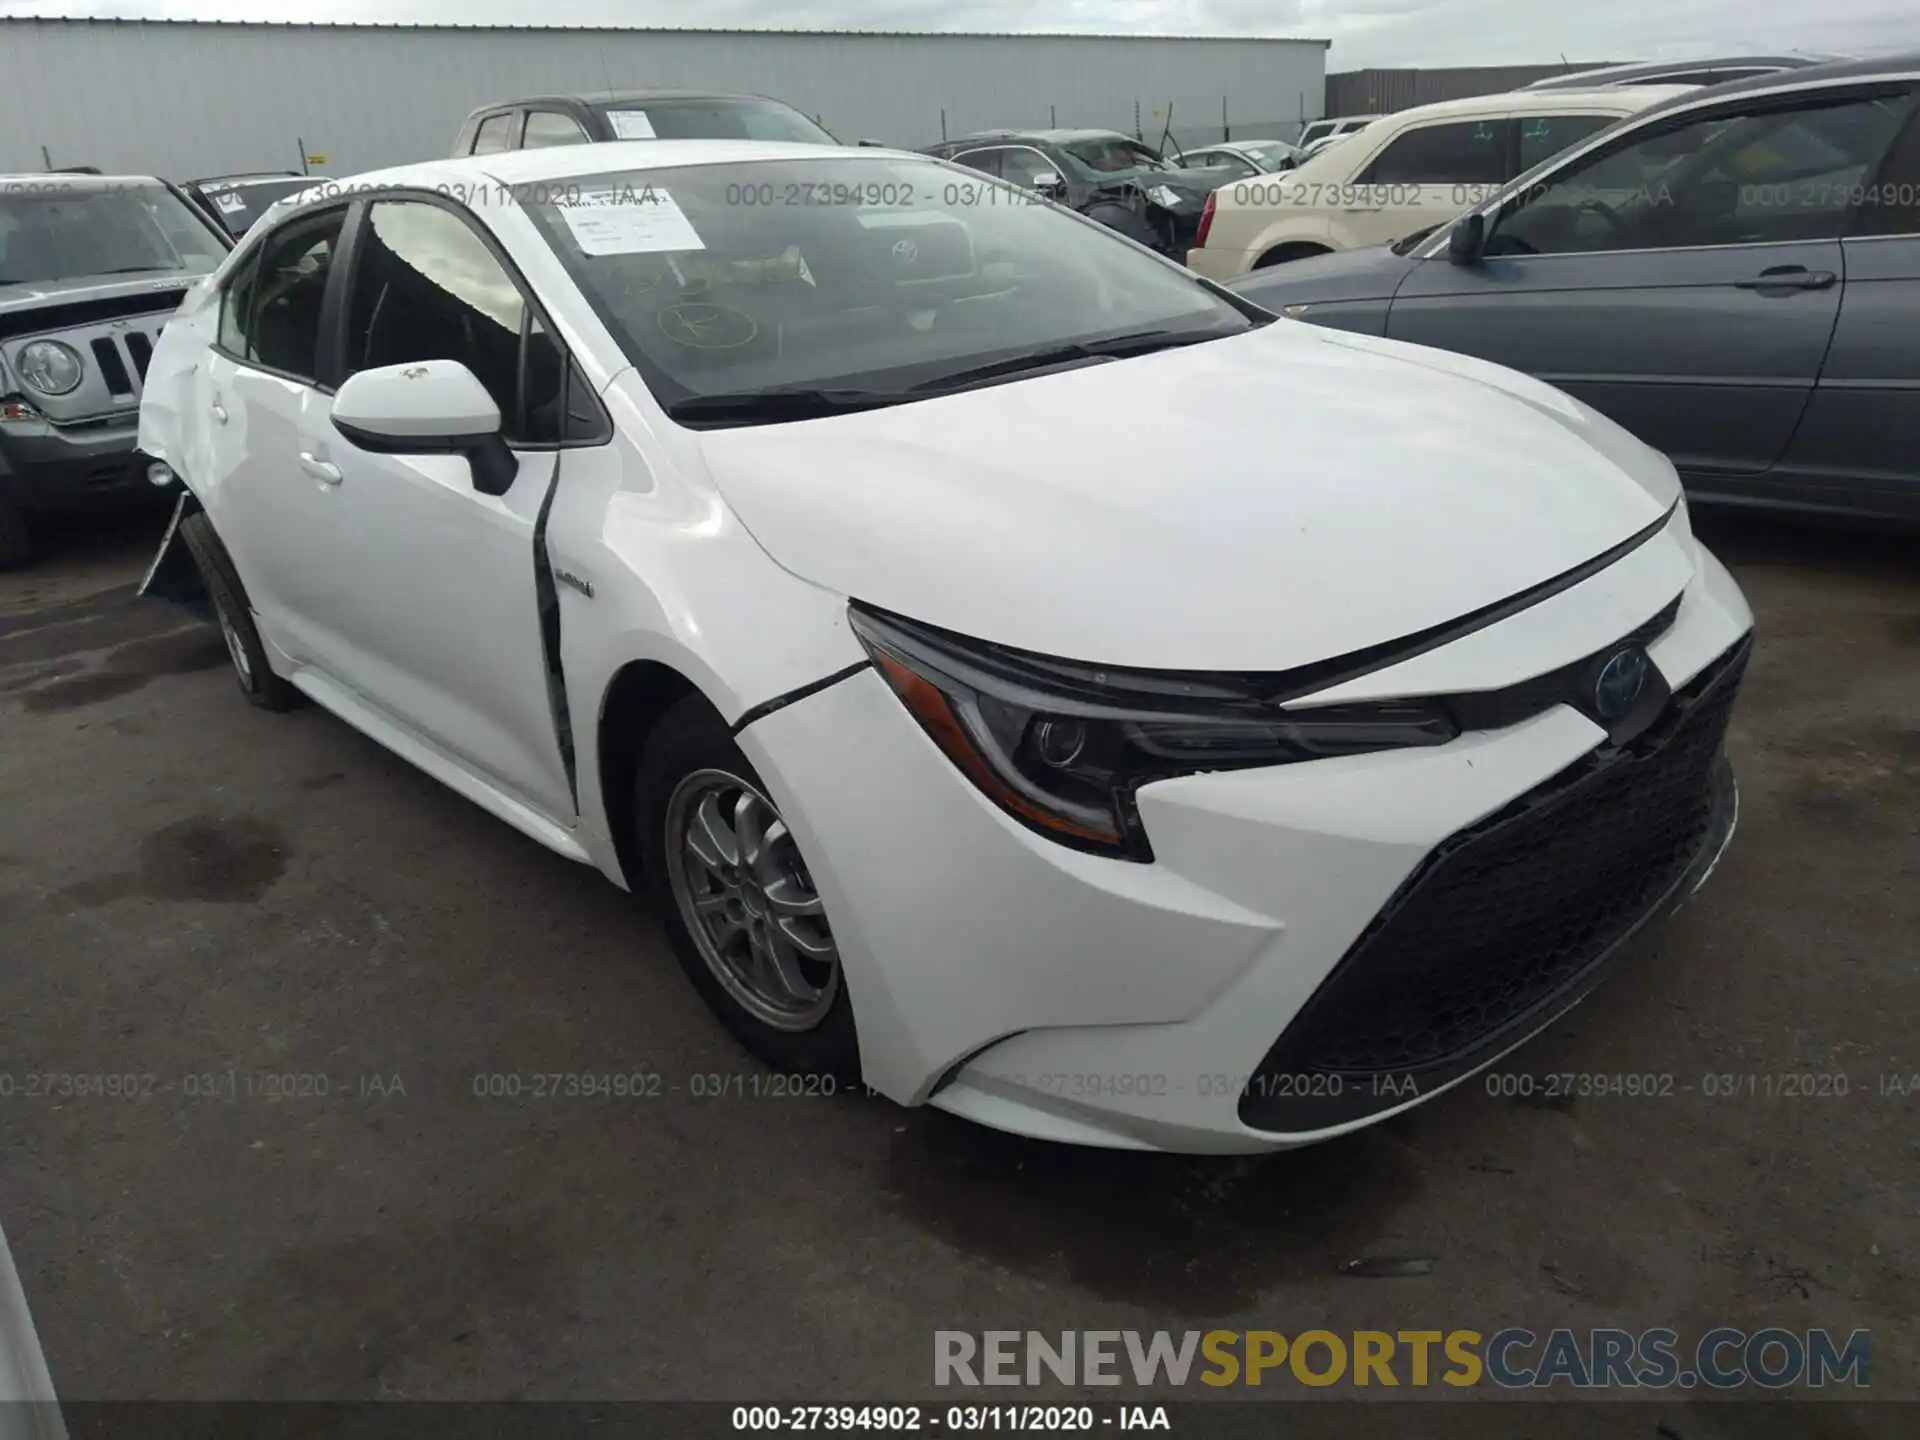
(1788, 277)
(219, 412)
(325, 473)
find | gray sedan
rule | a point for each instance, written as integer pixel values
(1733, 275)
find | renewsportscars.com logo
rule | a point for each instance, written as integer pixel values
(1514, 1359)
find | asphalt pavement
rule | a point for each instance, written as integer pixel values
(303, 960)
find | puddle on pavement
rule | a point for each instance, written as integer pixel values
(219, 861)
(128, 668)
(1176, 1234)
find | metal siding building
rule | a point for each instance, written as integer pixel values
(185, 98)
(1381, 92)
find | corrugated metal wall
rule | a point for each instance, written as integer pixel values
(1381, 92)
(183, 99)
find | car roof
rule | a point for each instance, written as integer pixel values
(1615, 74)
(602, 98)
(1049, 137)
(1888, 67)
(276, 177)
(1625, 99)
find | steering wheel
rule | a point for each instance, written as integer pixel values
(1607, 214)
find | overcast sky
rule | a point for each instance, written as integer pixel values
(1364, 32)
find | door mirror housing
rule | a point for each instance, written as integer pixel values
(432, 407)
(1467, 239)
(1049, 184)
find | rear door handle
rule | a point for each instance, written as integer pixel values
(1788, 277)
(325, 473)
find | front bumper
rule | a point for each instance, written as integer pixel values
(1180, 1005)
(74, 469)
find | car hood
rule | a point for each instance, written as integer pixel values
(1254, 503)
(1370, 274)
(32, 294)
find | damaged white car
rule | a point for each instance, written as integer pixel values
(1024, 676)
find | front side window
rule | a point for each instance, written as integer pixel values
(1544, 136)
(427, 287)
(59, 231)
(913, 275)
(987, 162)
(1024, 167)
(270, 314)
(550, 127)
(1460, 152)
(1769, 175)
(1112, 155)
(494, 135)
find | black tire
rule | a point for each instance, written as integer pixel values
(250, 668)
(690, 741)
(16, 541)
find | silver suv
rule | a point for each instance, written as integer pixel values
(91, 266)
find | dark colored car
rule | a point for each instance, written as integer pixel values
(90, 270)
(236, 201)
(1104, 175)
(1733, 275)
(632, 115)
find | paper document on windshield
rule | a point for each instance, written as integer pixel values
(631, 125)
(645, 221)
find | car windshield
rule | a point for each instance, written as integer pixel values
(868, 280)
(1271, 155)
(718, 119)
(57, 231)
(240, 204)
(1113, 154)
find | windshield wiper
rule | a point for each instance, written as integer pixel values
(1115, 347)
(772, 406)
(137, 269)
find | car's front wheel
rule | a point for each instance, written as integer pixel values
(257, 681)
(740, 906)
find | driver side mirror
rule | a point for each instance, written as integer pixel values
(1467, 239)
(434, 407)
(1049, 185)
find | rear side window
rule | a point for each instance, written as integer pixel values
(1544, 136)
(494, 135)
(426, 287)
(1462, 152)
(270, 314)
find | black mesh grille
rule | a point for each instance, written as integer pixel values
(1507, 916)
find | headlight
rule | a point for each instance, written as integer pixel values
(1062, 747)
(49, 366)
(1166, 197)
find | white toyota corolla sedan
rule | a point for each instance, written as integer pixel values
(1025, 676)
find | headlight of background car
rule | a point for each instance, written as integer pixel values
(49, 366)
(1062, 747)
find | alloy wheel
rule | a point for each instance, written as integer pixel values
(747, 900)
